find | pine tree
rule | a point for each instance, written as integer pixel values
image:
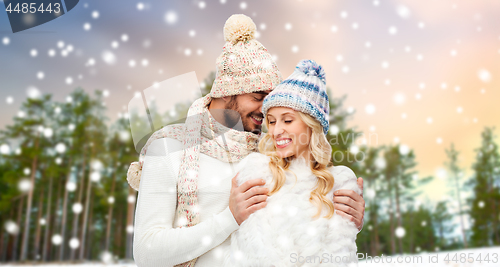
(456, 173)
(486, 200)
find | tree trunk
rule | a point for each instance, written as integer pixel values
(2, 246)
(130, 222)
(110, 211)
(80, 193)
(85, 216)
(398, 214)
(34, 164)
(47, 225)
(91, 230)
(65, 210)
(38, 227)
(16, 240)
(459, 198)
(391, 219)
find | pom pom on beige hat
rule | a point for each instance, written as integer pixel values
(245, 65)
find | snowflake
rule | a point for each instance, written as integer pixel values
(171, 17)
(69, 80)
(399, 98)
(393, 30)
(48, 132)
(334, 129)
(87, 26)
(6, 41)
(108, 57)
(24, 185)
(370, 109)
(288, 26)
(370, 193)
(484, 75)
(124, 37)
(61, 148)
(11, 227)
(403, 11)
(74, 243)
(404, 149)
(95, 14)
(71, 186)
(40, 75)
(354, 149)
(33, 93)
(77, 208)
(9, 100)
(400, 232)
(441, 173)
(243, 5)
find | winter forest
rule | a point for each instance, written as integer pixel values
(413, 90)
(64, 194)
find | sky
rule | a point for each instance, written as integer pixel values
(420, 73)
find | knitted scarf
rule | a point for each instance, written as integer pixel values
(201, 133)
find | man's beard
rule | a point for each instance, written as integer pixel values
(232, 115)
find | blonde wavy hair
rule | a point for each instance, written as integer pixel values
(321, 152)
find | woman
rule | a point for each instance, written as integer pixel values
(299, 225)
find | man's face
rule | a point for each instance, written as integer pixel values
(249, 107)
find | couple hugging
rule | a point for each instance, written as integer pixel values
(212, 195)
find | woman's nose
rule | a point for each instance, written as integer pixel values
(278, 129)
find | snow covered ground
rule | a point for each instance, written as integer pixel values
(477, 257)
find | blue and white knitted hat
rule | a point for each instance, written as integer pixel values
(304, 91)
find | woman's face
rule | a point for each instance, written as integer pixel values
(291, 136)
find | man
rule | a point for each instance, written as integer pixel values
(188, 202)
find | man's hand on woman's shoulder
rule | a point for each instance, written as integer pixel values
(350, 204)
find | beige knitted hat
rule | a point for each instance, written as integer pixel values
(244, 66)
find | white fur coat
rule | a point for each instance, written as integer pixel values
(284, 233)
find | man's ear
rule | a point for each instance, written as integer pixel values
(226, 98)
